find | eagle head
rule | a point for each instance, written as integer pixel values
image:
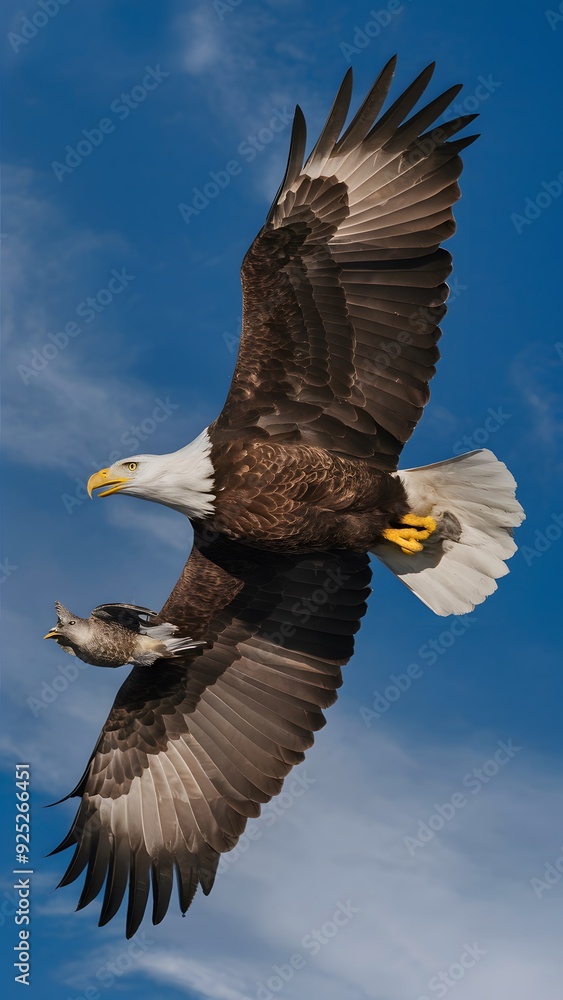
(130, 475)
(182, 479)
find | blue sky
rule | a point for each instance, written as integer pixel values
(153, 362)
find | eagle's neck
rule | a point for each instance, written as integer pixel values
(184, 479)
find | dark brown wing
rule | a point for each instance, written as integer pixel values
(189, 752)
(344, 286)
(130, 616)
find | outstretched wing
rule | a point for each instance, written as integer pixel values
(344, 286)
(130, 616)
(190, 751)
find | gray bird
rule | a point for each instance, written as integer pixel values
(116, 634)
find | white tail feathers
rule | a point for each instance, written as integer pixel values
(174, 647)
(472, 498)
(162, 631)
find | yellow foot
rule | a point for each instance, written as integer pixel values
(410, 538)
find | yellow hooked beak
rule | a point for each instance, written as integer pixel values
(100, 479)
(52, 633)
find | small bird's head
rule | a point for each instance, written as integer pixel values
(70, 631)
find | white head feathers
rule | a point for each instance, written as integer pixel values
(182, 479)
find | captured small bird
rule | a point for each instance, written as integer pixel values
(289, 491)
(116, 634)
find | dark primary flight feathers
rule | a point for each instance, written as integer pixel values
(191, 748)
(343, 291)
(344, 286)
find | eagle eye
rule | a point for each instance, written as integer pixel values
(132, 466)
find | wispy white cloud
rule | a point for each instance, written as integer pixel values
(342, 841)
(165, 527)
(56, 409)
(227, 55)
(192, 976)
(531, 374)
(61, 408)
(203, 44)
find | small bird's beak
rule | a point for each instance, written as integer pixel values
(52, 633)
(100, 479)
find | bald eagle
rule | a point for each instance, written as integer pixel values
(288, 491)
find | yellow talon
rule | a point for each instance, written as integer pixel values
(423, 522)
(410, 539)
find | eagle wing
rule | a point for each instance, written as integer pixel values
(191, 749)
(344, 287)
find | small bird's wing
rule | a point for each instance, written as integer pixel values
(191, 749)
(344, 286)
(130, 616)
